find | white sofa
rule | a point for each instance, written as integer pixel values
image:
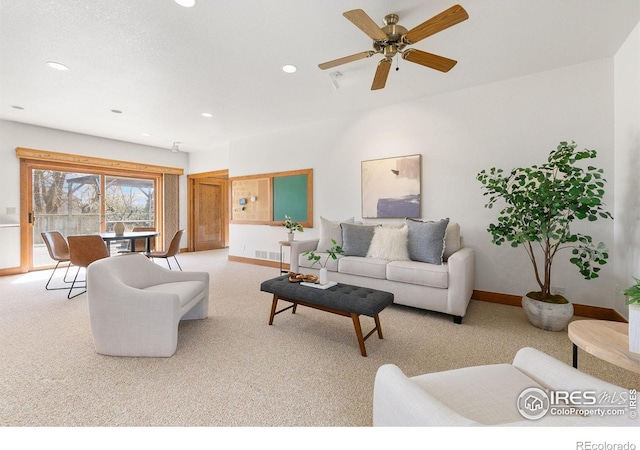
(445, 287)
(135, 306)
(491, 395)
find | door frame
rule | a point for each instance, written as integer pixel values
(218, 175)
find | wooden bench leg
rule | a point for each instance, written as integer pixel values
(377, 320)
(356, 325)
(274, 304)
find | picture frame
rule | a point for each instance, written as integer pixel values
(391, 187)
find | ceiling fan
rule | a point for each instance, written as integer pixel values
(393, 38)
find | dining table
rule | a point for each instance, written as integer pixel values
(131, 236)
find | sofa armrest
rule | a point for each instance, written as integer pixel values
(297, 249)
(461, 280)
(399, 402)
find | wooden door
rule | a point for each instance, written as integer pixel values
(209, 218)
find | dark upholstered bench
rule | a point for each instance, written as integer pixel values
(342, 299)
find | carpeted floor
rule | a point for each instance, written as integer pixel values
(233, 369)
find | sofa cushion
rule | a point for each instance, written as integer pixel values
(389, 243)
(426, 240)
(330, 229)
(365, 267)
(415, 272)
(356, 239)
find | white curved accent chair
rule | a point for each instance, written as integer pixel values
(486, 395)
(135, 306)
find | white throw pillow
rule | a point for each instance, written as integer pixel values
(330, 229)
(390, 244)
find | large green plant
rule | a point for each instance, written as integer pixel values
(541, 202)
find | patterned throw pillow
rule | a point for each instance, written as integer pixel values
(426, 240)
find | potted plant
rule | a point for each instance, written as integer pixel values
(292, 226)
(540, 204)
(633, 300)
(332, 253)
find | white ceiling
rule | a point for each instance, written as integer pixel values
(163, 65)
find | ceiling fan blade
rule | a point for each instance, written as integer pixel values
(429, 60)
(442, 21)
(360, 19)
(382, 72)
(346, 59)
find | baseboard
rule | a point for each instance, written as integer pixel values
(592, 312)
(258, 262)
(10, 271)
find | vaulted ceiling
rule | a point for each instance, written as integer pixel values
(162, 65)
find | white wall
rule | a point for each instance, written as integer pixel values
(627, 190)
(507, 124)
(208, 161)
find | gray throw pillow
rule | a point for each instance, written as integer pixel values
(426, 240)
(356, 239)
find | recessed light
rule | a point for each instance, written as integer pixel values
(206, 114)
(186, 3)
(17, 107)
(116, 111)
(146, 134)
(289, 68)
(57, 65)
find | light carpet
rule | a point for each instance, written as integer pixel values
(233, 369)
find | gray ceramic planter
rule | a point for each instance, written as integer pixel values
(548, 316)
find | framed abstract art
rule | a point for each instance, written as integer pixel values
(391, 187)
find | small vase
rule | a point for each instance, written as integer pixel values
(118, 228)
(290, 236)
(634, 328)
(322, 276)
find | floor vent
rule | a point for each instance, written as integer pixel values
(274, 256)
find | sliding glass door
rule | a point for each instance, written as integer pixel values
(73, 203)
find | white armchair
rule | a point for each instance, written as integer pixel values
(488, 395)
(135, 305)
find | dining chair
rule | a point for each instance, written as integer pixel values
(59, 252)
(172, 251)
(83, 250)
(140, 245)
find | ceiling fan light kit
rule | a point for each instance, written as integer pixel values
(392, 39)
